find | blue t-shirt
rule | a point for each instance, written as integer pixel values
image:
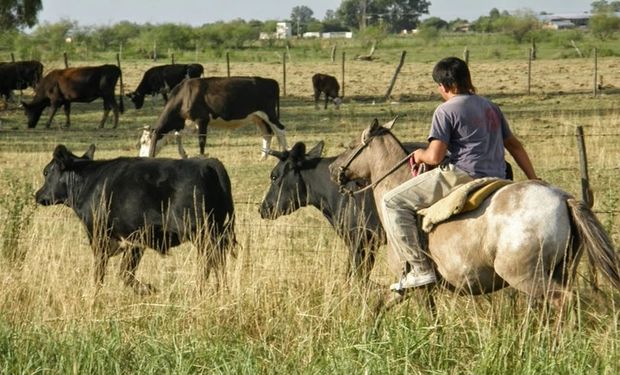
(474, 129)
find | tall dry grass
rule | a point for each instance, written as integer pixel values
(288, 307)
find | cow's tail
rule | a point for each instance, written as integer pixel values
(121, 105)
(590, 234)
(229, 239)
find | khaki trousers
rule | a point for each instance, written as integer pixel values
(399, 207)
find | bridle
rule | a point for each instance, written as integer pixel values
(342, 179)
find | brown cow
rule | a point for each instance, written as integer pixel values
(227, 102)
(328, 85)
(61, 87)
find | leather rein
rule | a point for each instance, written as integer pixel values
(342, 179)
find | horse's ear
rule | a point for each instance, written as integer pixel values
(374, 125)
(390, 124)
(316, 151)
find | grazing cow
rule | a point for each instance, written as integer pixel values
(301, 179)
(222, 102)
(61, 87)
(19, 75)
(128, 204)
(161, 79)
(328, 85)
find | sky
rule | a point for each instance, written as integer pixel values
(198, 12)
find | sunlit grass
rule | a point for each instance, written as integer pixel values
(288, 307)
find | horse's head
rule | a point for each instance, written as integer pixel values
(356, 163)
(288, 190)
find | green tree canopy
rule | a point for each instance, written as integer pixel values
(16, 14)
(301, 17)
(394, 15)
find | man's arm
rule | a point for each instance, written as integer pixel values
(433, 154)
(516, 149)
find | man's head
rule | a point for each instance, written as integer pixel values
(453, 74)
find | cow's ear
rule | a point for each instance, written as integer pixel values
(298, 151)
(90, 153)
(63, 157)
(316, 151)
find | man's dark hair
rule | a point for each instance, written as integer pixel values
(453, 73)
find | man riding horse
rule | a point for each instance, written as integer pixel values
(475, 132)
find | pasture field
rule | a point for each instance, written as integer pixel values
(288, 307)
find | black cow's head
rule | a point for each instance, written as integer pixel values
(33, 112)
(288, 190)
(136, 99)
(58, 176)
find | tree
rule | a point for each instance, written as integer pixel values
(603, 6)
(395, 15)
(603, 25)
(16, 14)
(301, 15)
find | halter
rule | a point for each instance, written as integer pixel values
(342, 179)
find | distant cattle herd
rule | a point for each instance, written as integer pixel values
(129, 204)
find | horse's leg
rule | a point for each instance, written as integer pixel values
(129, 264)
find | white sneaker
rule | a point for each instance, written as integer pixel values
(414, 279)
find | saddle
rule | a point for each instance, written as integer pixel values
(466, 197)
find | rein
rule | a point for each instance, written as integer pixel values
(342, 169)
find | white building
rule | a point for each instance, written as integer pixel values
(283, 30)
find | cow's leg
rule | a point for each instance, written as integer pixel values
(116, 111)
(107, 106)
(129, 264)
(202, 135)
(52, 113)
(212, 257)
(178, 137)
(326, 101)
(317, 95)
(67, 108)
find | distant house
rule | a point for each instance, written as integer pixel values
(566, 20)
(337, 34)
(283, 30)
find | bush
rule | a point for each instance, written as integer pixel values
(18, 206)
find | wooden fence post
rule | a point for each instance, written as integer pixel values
(595, 87)
(155, 51)
(333, 53)
(586, 194)
(64, 55)
(12, 57)
(284, 74)
(529, 70)
(343, 54)
(227, 64)
(172, 58)
(393, 81)
(466, 56)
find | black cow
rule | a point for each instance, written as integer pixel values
(19, 75)
(223, 102)
(127, 204)
(301, 179)
(161, 79)
(328, 85)
(61, 87)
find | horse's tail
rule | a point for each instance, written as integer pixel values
(589, 233)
